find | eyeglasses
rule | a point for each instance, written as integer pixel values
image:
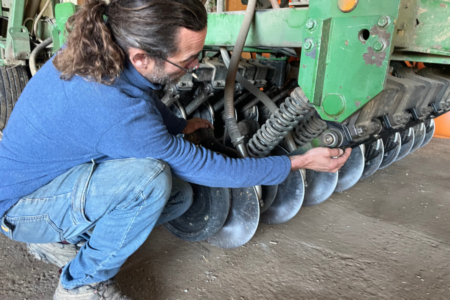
(190, 70)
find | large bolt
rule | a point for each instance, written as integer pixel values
(378, 46)
(308, 45)
(383, 21)
(311, 24)
(329, 139)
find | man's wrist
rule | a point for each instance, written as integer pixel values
(299, 162)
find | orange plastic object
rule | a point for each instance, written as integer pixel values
(347, 5)
(442, 126)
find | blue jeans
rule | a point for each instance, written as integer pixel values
(114, 205)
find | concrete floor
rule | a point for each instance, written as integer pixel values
(386, 238)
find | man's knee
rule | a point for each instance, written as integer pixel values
(158, 188)
(186, 190)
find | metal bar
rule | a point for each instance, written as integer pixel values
(421, 57)
(220, 6)
(15, 20)
(205, 94)
(299, 3)
(271, 28)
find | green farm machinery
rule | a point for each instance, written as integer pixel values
(370, 75)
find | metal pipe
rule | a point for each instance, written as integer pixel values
(230, 120)
(182, 111)
(37, 20)
(35, 53)
(220, 4)
(199, 100)
(275, 4)
(219, 104)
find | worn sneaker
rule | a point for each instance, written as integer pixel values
(58, 254)
(107, 290)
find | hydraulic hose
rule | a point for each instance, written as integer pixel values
(35, 53)
(236, 138)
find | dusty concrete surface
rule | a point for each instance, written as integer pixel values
(386, 238)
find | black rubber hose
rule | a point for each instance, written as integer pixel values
(35, 53)
(230, 120)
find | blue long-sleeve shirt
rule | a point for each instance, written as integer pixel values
(58, 124)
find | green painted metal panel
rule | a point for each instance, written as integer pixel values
(271, 28)
(324, 9)
(63, 11)
(345, 57)
(433, 30)
(424, 26)
(345, 71)
(17, 36)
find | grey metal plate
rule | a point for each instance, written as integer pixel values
(352, 170)
(289, 198)
(391, 155)
(319, 187)
(419, 136)
(371, 166)
(242, 220)
(430, 128)
(406, 147)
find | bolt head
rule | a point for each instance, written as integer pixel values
(329, 139)
(378, 46)
(307, 45)
(311, 24)
(383, 21)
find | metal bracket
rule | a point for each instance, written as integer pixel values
(6, 3)
(20, 43)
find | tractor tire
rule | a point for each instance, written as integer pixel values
(12, 83)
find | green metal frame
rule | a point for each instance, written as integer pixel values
(63, 12)
(345, 56)
(17, 44)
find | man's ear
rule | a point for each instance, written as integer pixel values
(140, 60)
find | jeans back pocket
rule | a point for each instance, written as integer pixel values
(33, 229)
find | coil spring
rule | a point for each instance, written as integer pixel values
(278, 125)
(309, 129)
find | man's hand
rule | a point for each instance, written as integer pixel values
(320, 159)
(196, 123)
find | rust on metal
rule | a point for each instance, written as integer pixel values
(374, 58)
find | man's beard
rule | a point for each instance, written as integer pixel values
(160, 76)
